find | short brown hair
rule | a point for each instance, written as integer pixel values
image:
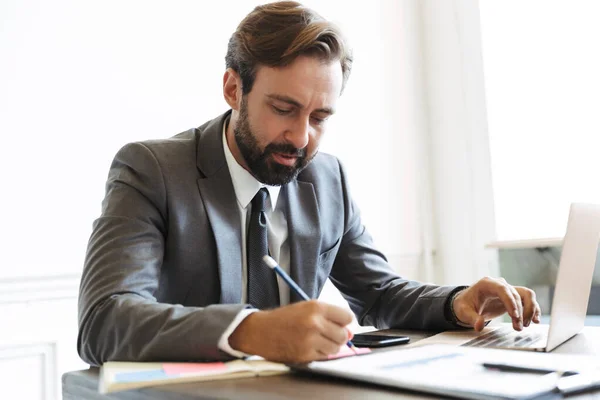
(275, 34)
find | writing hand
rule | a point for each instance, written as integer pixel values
(492, 297)
(297, 333)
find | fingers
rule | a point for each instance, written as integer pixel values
(537, 314)
(332, 327)
(319, 348)
(296, 333)
(488, 299)
(518, 321)
(531, 308)
(326, 325)
(491, 289)
(495, 296)
(326, 346)
(510, 299)
(339, 315)
(333, 332)
(320, 356)
(328, 336)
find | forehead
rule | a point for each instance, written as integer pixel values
(308, 80)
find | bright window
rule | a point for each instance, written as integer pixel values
(542, 77)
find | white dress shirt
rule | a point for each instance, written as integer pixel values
(246, 186)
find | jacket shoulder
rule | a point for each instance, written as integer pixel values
(188, 138)
(183, 145)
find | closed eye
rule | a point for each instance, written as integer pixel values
(318, 121)
(281, 111)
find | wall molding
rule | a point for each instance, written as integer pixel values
(39, 288)
(48, 363)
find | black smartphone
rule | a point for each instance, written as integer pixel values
(366, 340)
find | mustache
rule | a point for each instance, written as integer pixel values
(286, 149)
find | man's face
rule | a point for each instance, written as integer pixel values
(282, 119)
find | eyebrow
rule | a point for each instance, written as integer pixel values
(289, 100)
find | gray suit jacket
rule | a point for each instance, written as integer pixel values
(162, 276)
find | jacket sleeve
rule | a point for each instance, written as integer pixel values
(376, 294)
(119, 315)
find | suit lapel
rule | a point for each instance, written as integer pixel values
(218, 195)
(304, 235)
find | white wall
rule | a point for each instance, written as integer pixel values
(80, 79)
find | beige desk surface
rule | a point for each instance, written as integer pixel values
(84, 384)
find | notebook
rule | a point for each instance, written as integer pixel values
(571, 295)
(120, 375)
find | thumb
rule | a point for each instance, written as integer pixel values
(479, 323)
(469, 316)
(349, 333)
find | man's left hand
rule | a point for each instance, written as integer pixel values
(490, 298)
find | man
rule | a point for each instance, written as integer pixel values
(173, 269)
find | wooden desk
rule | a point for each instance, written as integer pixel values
(84, 384)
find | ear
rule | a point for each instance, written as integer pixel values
(232, 89)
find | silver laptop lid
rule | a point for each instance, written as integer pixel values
(574, 280)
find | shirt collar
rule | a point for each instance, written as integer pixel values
(244, 184)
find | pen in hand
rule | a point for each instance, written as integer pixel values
(274, 266)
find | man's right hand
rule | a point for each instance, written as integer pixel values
(297, 333)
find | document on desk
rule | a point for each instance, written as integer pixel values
(456, 371)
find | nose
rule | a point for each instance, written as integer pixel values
(299, 134)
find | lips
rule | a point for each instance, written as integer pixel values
(285, 159)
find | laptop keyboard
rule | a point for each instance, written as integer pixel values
(505, 337)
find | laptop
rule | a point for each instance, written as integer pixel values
(571, 295)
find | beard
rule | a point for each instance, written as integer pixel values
(260, 162)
